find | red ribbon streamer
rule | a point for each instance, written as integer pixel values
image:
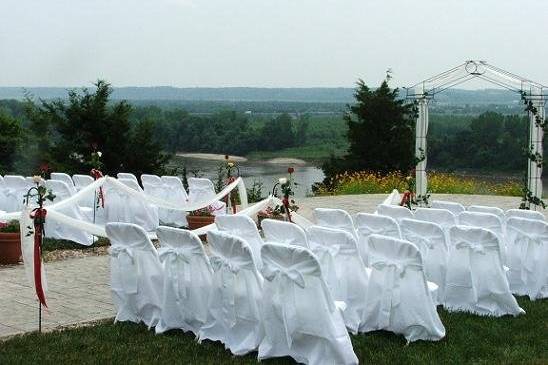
(97, 174)
(285, 202)
(406, 198)
(39, 216)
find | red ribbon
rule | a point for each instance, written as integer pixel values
(97, 174)
(231, 179)
(406, 198)
(285, 202)
(39, 217)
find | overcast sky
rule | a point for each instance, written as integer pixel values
(265, 43)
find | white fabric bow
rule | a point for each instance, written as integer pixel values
(178, 268)
(524, 260)
(226, 273)
(128, 267)
(284, 297)
(393, 272)
(426, 241)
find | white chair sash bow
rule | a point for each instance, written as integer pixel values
(128, 267)
(393, 272)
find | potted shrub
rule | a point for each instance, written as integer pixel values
(10, 243)
(200, 218)
(271, 213)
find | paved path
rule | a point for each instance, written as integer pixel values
(79, 290)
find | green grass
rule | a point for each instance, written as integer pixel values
(52, 244)
(470, 340)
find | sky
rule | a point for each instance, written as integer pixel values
(264, 43)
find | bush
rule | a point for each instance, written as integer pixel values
(364, 182)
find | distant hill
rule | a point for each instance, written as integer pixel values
(253, 94)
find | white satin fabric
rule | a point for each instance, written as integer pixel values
(15, 188)
(523, 213)
(154, 186)
(368, 224)
(150, 179)
(284, 233)
(80, 182)
(236, 293)
(475, 280)
(2, 195)
(432, 243)
(393, 198)
(485, 209)
(127, 175)
(299, 315)
(55, 229)
(187, 280)
(335, 218)
(442, 217)
(178, 195)
(455, 208)
(528, 257)
(337, 251)
(487, 221)
(398, 298)
(395, 211)
(123, 207)
(203, 190)
(244, 228)
(61, 176)
(136, 274)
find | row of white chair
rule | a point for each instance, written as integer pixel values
(522, 241)
(285, 309)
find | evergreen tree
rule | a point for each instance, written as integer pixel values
(10, 140)
(380, 133)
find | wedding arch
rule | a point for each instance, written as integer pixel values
(533, 95)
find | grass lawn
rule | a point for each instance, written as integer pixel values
(470, 340)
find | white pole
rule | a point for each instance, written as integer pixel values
(536, 135)
(420, 146)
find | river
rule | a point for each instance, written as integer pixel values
(260, 171)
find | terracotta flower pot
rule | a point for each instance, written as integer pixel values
(10, 248)
(199, 221)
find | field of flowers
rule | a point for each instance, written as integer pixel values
(363, 182)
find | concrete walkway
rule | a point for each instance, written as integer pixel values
(79, 287)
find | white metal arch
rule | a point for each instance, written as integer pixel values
(425, 90)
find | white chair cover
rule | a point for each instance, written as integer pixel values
(528, 257)
(368, 224)
(61, 176)
(398, 297)
(55, 229)
(236, 293)
(151, 179)
(475, 280)
(177, 195)
(523, 213)
(339, 248)
(122, 207)
(128, 176)
(395, 211)
(335, 218)
(201, 191)
(187, 280)
(80, 182)
(284, 233)
(485, 209)
(136, 275)
(432, 243)
(15, 188)
(455, 208)
(245, 228)
(442, 217)
(299, 316)
(487, 221)
(157, 189)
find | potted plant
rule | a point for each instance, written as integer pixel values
(10, 243)
(200, 218)
(281, 211)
